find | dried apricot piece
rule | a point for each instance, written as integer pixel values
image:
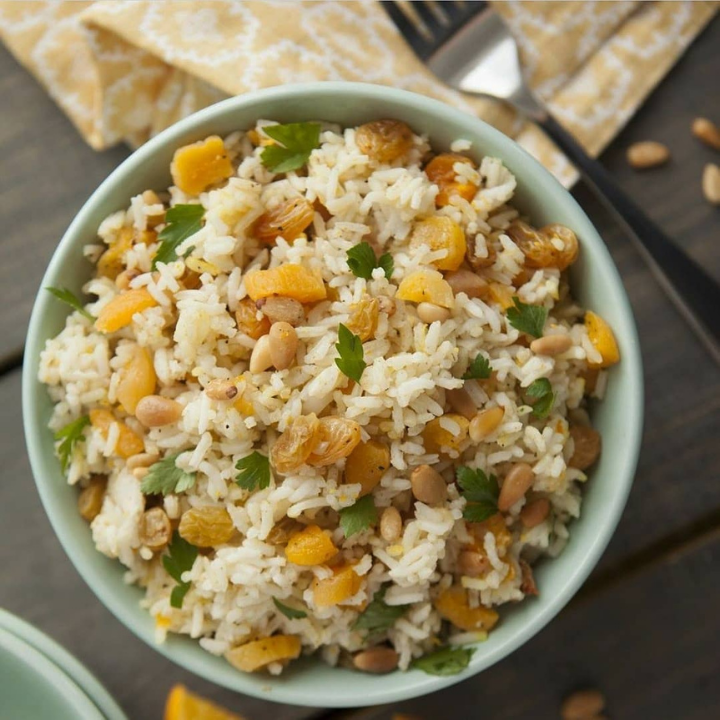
(441, 171)
(183, 705)
(206, 526)
(339, 587)
(364, 318)
(366, 465)
(311, 546)
(257, 654)
(293, 447)
(439, 440)
(247, 320)
(441, 233)
(287, 220)
(336, 438)
(120, 310)
(453, 605)
(603, 339)
(128, 443)
(197, 166)
(502, 295)
(137, 379)
(295, 281)
(384, 140)
(111, 264)
(495, 524)
(426, 286)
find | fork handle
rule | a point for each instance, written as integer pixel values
(695, 293)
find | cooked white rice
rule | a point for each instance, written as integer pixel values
(192, 336)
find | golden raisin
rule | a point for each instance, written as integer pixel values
(441, 171)
(247, 321)
(552, 246)
(294, 446)
(287, 220)
(197, 166)
(587, 444)
(384, 140)
(441, 233)
(206, 526)
(336, 438)
(91, 498)
(155, 529)
(364, 318)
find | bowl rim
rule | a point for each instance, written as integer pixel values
(413, 684)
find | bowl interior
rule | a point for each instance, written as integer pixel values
(596, 284)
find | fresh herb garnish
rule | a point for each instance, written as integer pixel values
(181, 558)
(359, 516)
(480, 491)
(71, 299)
(362, 261)
(378, 616)
(69, 435)
(297, 141)
(254, 471)
(350, 348)
(182, 222)
(165, 477)
(541, 390)
(529, 319)
(288, 612)
(479, 369)
(446, 661)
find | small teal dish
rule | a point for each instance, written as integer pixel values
(596, 284)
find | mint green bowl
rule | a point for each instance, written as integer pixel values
(596, 284)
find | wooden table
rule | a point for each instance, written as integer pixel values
(645, 627)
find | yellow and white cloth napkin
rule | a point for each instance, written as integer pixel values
(126, 70)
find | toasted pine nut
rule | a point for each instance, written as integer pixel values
(707, 131)
(472, 563)
(430, 313)
(647, 154)
(466, 281)
(551, 345)
(376, 660)
(140, 472)
(260, 359)
(282, 343)
(535, 512)
(485, 423)
(711, 183)
(155, 529)
(517, 482)
(582, 704)
(390, 524)
(461, 402)
(282, 309)
(150, 197)
(428, 486)
(156, 411)
(587, 444)
(221, 390)
(141, 460)
(123, 280)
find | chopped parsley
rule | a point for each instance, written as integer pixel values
(71, 299)
(181, 558)
(443, 662)
(182, 222)
(69, 435)
(363, 514)
(378, 616)
(288, 612)
(297, 141)
(479, 369)
(544, 397)
(254, 472)
(480, 491)
(362, 261)
(529, 319)
(350, 349)
(165, 477)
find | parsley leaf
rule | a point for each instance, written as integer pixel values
(182, 222)
(288, 612)
(349, 346)
(181, 558)
(297, 141)
(254, 471)
(529, 319)
(480, 491)
(479, 369)
(69, 435)
(71, 299)
(165, 477)
(359, 516)
(446, 661)
(542, 390)
(378, 616)
(362, 261)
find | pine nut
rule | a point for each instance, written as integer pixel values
(428, 486)
(156, 411)
(282, 309)
(221, 390)
(647, 154)
(390, 524)
(485, 423)
(260, 359)
(123, 280)
(551, 345)
(517, 482)
(376, 660)
(472, 564)
(461, 402)
(711, 183)
(466, 281)
(535, 512)
(582, 705)
(707, 131)
(430, 313)
(587, 444)
(282, 343)
(141, 460)
(140, 472)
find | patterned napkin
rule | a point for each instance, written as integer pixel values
(126, 70)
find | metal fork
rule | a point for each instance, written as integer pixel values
(470, 48)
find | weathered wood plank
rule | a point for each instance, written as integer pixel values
(40, 585)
